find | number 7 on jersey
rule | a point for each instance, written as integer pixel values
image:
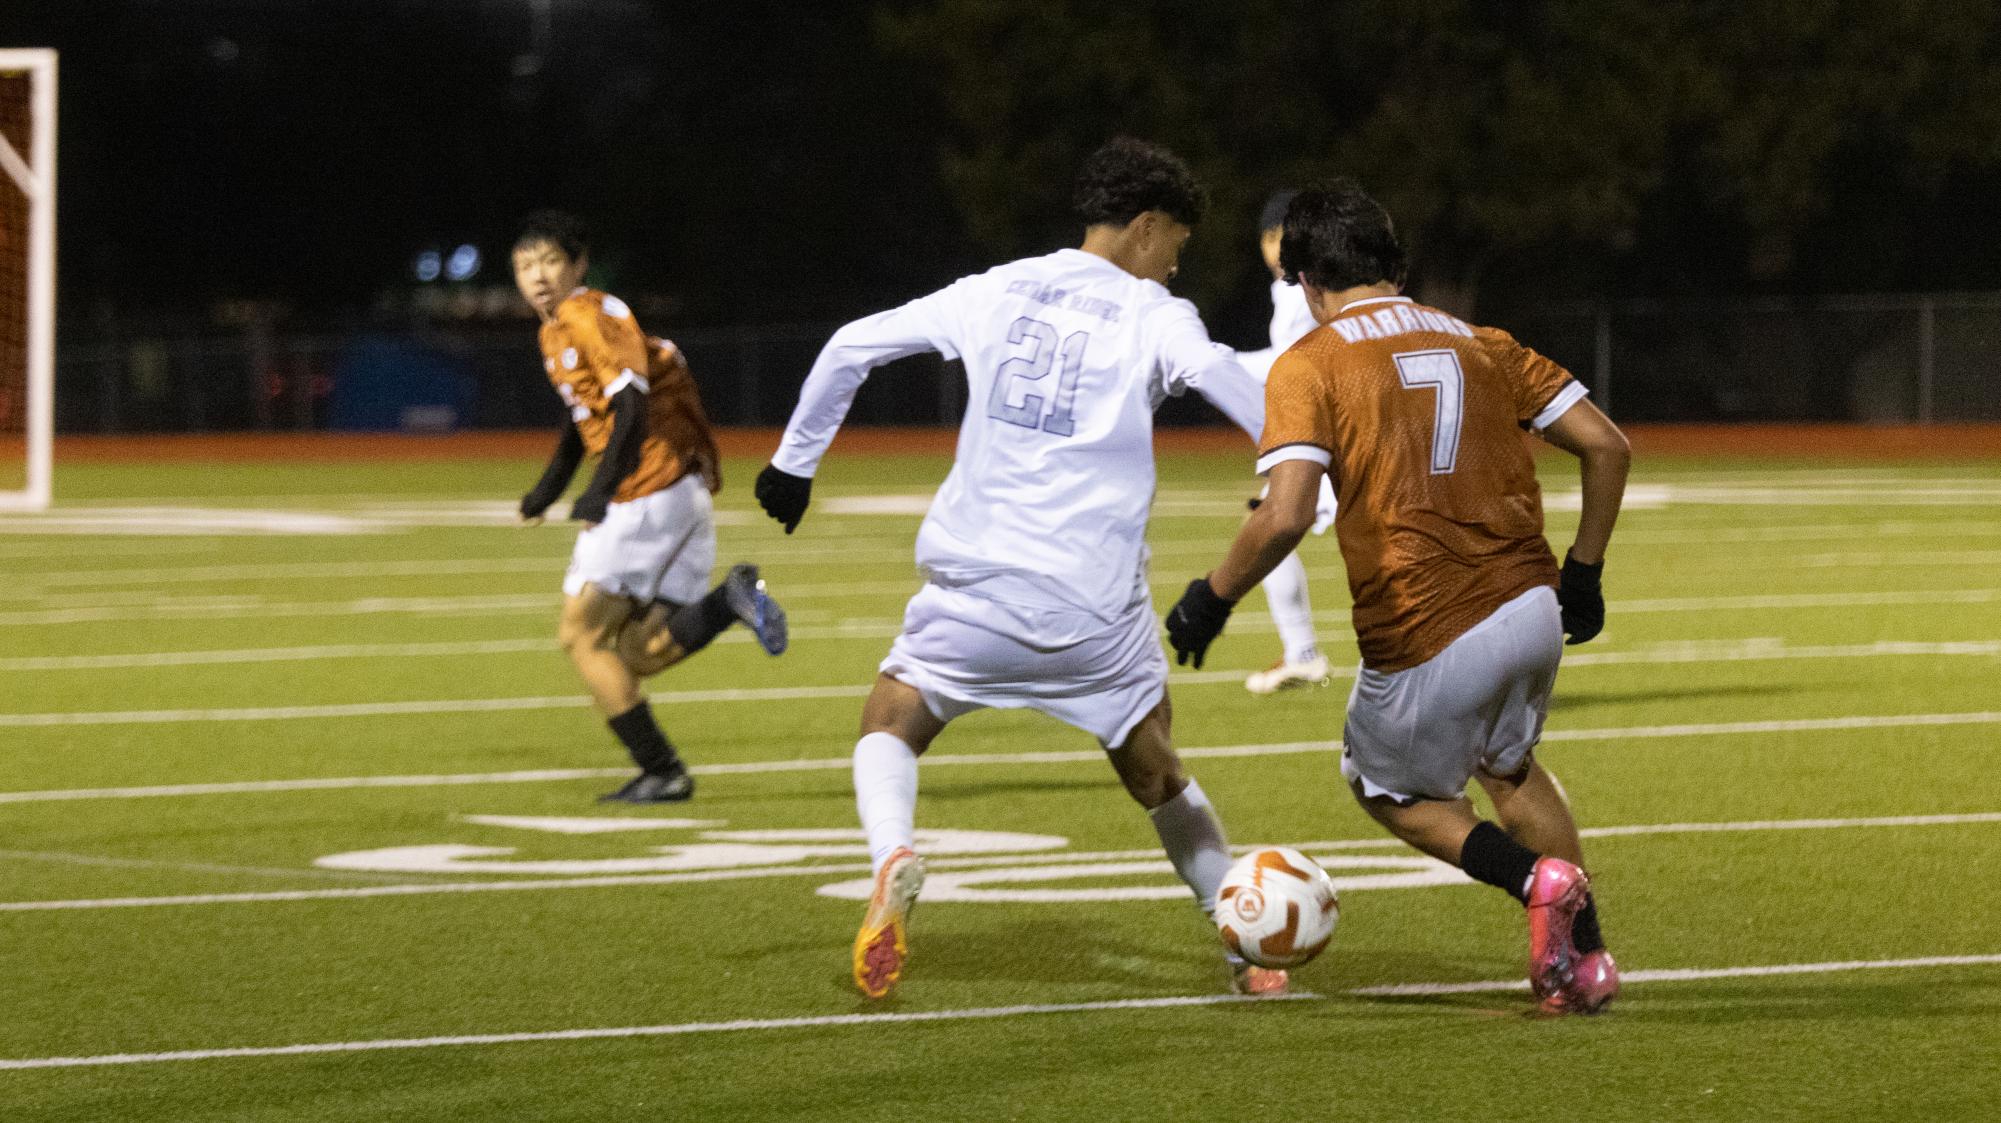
(1439, 371)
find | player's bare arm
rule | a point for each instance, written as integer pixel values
(1603, 458)
(1273, 531)
(1267, 538)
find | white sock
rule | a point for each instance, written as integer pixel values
(886, 794)
(1285, 592)
(1193, 839)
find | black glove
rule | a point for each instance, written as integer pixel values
(1195, 621)
(1582, 602)
(783, 495)
(588, 507)
(534, 503)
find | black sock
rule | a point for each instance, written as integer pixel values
(1584, 930)
(641, 736)
(1489, 855)
(694, 625)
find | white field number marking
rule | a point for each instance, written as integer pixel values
(718, 850)
(728, 850)
(977, 886)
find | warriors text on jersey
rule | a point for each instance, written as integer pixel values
(1418, 418)
(593, 349)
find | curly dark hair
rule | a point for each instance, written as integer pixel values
(1128, 177)
(1339, 238)
(561, 229)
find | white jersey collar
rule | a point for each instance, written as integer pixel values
(1378, 300)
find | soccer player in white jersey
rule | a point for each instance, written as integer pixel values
(1034, 550)
(1300, 663)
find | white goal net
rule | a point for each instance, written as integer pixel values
(27, 275)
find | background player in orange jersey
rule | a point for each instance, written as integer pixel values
(1460, 608)
(635, 600)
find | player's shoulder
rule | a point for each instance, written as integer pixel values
(1311, 357)
(586, 304)
(1161, 310)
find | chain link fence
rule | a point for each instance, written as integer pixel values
(1917, 358)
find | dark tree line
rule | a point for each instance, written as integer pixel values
(765, 161)
(1589, 145)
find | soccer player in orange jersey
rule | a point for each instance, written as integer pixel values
(1460, 606)
(636, 598)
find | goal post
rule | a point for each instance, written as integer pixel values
(27, 276)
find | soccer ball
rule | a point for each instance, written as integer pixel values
(1277, 907)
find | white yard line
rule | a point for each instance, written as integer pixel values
(1794, 725)
(1806, 600)
(478, 606)
(67, 859)
(277, 654)
(1750, 650)
(738, 1026)
(1841, 532)
(981, 1013)
(1693, 651)
(1614, 733)
(478, 705)
(1900, 559)
(262, 571)
(1689, 974)
(335, 783)
(548, 775)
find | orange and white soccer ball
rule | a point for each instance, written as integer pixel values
(1277, 907)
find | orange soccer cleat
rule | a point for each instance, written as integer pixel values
(883, 943)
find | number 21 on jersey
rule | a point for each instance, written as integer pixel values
(1440, 372)
(1043, 354)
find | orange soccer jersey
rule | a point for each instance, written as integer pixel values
(592, 349)
(1419, 418)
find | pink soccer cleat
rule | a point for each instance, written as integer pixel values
(1592, 988)
(1258, 982)
(1557, 893)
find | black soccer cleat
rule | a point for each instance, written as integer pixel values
(743, 591)
(653, 787)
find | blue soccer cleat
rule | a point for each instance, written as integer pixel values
(744, 591)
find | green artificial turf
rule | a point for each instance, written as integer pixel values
(1808, 656)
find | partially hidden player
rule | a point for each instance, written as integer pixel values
(1034, 550)
(1300, 662)
(636, 597)
(1460, 606)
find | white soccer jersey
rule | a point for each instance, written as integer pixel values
(1291, 319)
(1066, 357)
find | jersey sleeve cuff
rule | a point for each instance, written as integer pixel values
(796, 462)
(1301, 451)
(1570, 395)
(628, 378)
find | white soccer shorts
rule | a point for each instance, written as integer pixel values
(964, 653)
(659, 546)
(1478, 705)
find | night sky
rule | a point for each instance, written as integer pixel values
(783, 163)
